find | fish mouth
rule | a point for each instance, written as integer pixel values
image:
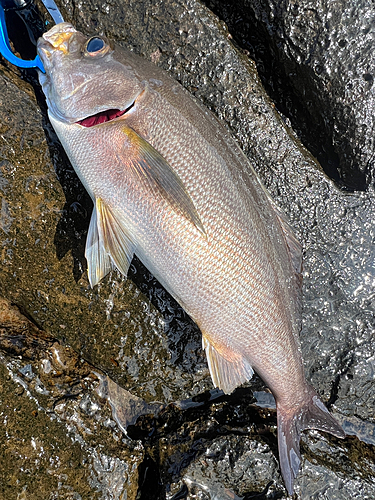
(103, 116)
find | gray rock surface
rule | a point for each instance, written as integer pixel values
(317, 61)
(132, 331)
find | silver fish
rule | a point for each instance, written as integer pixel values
(171, 186)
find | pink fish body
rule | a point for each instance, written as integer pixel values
(170, 185)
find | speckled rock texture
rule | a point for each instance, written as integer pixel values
(190, 444)
(57, 435)
(317, 62)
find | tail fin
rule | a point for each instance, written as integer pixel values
(291, 422)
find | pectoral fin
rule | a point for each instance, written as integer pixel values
(158, 176)
(226, 374)
(109, 242)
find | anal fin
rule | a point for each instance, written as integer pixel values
(226, 374)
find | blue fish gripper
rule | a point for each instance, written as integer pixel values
(5, 48)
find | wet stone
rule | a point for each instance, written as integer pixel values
(331, 474)
(232, 464)
(317, 62)
(131, 330)
(57, 438)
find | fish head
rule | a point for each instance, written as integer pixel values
(83, 77)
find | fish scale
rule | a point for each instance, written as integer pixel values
(170, 185)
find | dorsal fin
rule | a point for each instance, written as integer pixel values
(295, 255)
(295, 247)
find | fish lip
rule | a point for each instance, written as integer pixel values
(44, 50)
(55, 32)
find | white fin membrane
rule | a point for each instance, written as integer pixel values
(226, 375)
(99, 262)
(109, 242)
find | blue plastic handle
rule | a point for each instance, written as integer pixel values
(6, 51)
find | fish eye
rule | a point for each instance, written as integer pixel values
(95, 44)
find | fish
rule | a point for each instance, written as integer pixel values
(170, 185)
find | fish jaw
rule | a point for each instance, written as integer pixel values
(59, 35)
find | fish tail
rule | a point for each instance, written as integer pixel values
(291, 421)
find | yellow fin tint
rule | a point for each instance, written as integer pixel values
(115, 236)
(157, 175)
(226, 374)
(99, 263)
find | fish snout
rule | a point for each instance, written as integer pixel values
(56, 39)
(59, 35)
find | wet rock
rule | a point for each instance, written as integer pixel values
(57, 436)
(231, 464)
(233, 468)
(134, 332)
(317, 62)
(194, 446)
